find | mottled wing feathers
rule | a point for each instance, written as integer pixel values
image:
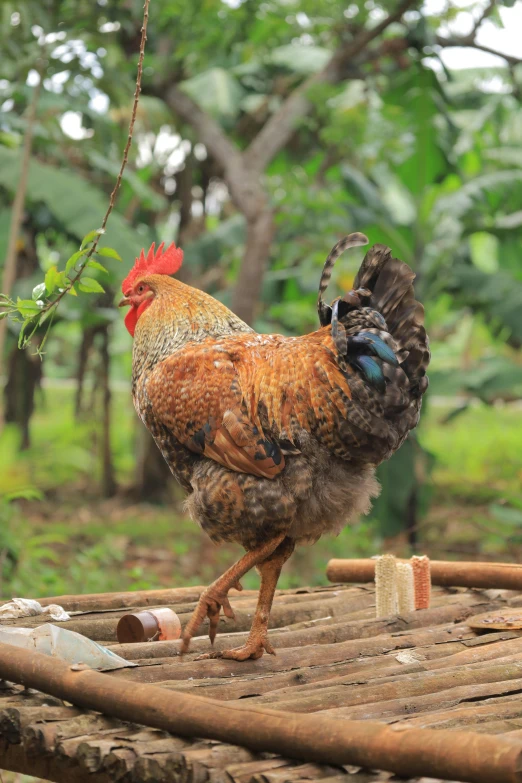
(195, 394)
(245, 400)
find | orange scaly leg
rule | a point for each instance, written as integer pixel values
(215, 596)
(257, 641)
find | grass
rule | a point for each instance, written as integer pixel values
(67, 540)
(478, 453)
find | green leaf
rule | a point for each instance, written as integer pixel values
(38, 291)
(498, 295)
(399, 479)
(72, 291)
(91, 236)
(28, 308)
(412, 106)
(300, 58)
(71, 262)
(109, 252)
(215, 90)
(62, 281)
(484, 251)
(52, 279)
(90, 286)
(30, 493)
(96, 265)
(511, 516)
(146, 194)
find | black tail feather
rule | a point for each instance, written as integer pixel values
(391, 284)
(352, 240)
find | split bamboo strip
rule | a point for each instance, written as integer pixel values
(505, 576)
(385, 586)
(405, 588)
(396, 708)
(421, 581)
(465, 756)
(394, 686)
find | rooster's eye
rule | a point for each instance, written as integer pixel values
(140, 289)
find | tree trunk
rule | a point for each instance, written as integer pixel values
(89, 333)
(108, 482)
(24, 377)
(152, 477)
(24, 370)
(247, 292)
(17, 214)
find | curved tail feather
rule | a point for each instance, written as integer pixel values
(352, 240)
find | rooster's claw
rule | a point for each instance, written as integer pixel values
(253, 648)
(209, 605)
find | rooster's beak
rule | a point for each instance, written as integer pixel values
(125, 302)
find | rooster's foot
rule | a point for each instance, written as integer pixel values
(253, 648)
(210, 603)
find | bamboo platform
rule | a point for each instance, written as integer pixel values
(424, 670)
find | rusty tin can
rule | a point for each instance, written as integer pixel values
(149, 626)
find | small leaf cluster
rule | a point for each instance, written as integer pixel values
(46, 296)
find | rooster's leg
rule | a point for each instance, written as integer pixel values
(215, 596)
(257, 641)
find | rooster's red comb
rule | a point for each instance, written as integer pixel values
(157, 262)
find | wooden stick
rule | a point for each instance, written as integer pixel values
(502, 576)
(468, 757)
(100, 601)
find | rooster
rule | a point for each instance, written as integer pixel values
(274, 439)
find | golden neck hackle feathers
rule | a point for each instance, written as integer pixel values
(179, 314)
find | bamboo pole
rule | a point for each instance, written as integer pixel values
(502, 576)
(139, 598)
(468, 757)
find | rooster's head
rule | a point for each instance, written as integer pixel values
(137, 293)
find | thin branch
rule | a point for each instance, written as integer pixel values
(470, 43)
(116, 188)
(488, 10)
(17, 214)
(279, 128)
